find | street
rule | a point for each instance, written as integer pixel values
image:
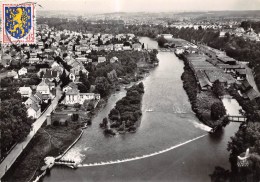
(17, 150)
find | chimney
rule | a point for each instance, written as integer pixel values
(48, 118)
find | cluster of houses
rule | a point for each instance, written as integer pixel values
(43, 93)
(51, 44)
(210, 64)
(249, 34)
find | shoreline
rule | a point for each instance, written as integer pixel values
(33, 171)
(197, 97)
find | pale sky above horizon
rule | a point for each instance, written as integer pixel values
(101, 6)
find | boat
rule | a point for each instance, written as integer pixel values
(149, 110)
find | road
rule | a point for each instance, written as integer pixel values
(17, 150)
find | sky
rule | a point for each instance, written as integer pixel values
(102, 6)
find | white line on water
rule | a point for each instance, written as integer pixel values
(141, 157)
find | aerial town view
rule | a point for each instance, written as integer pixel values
(130, 90)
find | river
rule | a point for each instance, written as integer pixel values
(170, 144)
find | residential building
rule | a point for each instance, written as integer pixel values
(73, 96)
(32, 99)
(25, 91)
(51, 75)
(114, 59)
(101, 59)
(22, 71)
(137, 47)
(34, 111)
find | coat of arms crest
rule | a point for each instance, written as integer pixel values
(18, 23)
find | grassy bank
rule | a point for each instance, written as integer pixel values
(48, 141)
(201, 101)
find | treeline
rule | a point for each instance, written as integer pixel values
(127, 112)
(251, 24)
(15, 125)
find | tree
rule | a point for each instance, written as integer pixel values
(64, 79)
(83, 78)
(161, 41)
(15, 125)
(217, 110)
(104, 123)
(74, 117)
(102, 86)
(218, 88)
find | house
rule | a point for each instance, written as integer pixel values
(25, 91)
(222, 34)
(113, 59)
(33, 55)
(70, 86)
(51, 75)
(251, 94)
(34, 60)
(73, 96)
(79, 68)
(137, 47)
(39, 97)
(22, 71)
(34, 111)
(32, 99)
(101, 59)
(118, 47)
(13, 74)
(245, 86)
(6, 60)
(127, 48)
(43, 88)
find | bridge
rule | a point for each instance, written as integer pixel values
(237, 118)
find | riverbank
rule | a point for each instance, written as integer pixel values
(48, 141)
(201, 101)
(52, 141)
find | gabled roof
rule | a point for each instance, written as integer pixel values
(252, 94)
(38, 95)
(23, 69)
(245, 85)
(35, 107)
(202, 78)
(33, 98)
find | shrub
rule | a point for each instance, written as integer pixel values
(74, 117)
(56, 123)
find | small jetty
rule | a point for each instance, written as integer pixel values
(69, 163)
